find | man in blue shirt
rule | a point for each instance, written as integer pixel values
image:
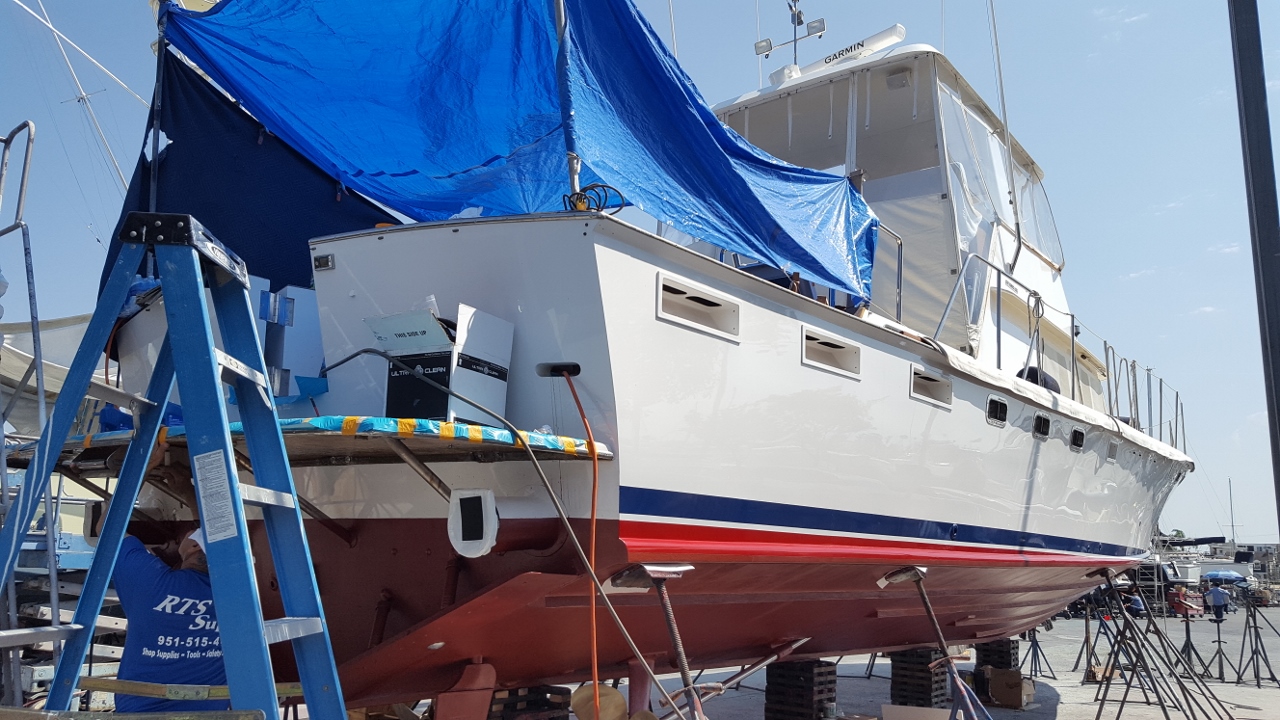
(1217, 598)
(173, 629)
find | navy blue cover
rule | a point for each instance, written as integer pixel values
(256, 194)
(433, 108)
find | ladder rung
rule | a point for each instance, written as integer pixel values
(254, 495)
(30, 636)
(103, 624)
(233, 369)
(119, 398)
(289, 628)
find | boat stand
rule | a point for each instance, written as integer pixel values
(1037, 658)
(1188, 656)
(965, 699)
(1257, 650)
(1219, 656)
(1151, 668)
(1088, 649)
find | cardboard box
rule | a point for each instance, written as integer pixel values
(1009, 689)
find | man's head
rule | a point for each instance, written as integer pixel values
(191, 549)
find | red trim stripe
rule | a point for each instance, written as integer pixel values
(648, 541)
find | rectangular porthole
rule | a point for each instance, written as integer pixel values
(1113, 451)
(827, 352)
(1077, 439)
(1040, 427)
(997, 410)
(930, 387)
(696, 307)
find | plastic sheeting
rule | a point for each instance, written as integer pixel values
(439, 108)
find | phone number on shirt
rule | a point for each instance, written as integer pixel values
(188, 642)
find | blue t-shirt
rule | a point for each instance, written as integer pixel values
(1217, 596)
(173, 631)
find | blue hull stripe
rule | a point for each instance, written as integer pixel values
(691, 507)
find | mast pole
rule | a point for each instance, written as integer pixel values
(1264, 214)
(566, 101)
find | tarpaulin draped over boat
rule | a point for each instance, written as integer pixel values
(257, 195)
(442, 107)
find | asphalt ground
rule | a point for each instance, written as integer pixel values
(1064, 698)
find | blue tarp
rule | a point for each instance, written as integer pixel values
(256, 194)
(436, 108)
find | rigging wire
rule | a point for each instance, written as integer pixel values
(81, 50)
(1008, 142)
(671, 13)
(83, 98)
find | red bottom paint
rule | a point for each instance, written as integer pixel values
(526, 612)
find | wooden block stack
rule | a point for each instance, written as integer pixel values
(999, 654)
(544, 702)
(799, 690)
(912, 682)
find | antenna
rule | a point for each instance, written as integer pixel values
(83, 98)
(813, 28)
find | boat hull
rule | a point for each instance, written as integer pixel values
(527, 613)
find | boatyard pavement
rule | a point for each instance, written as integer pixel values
(1066, 698)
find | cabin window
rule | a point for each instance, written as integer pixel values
(1113, 451)
(1040, 427)
(930, 387)
(997, 411)
(828, 352)
(696, 307)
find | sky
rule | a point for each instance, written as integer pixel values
(1129, 108)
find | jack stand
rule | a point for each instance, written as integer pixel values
(966, 700)
(1151, 668)
(693, 702)
(1219, 655)
(1088, 652)
(1188, 656)
(1037, 657)
(1257, 650)
(711, 690)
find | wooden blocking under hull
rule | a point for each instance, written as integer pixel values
(913, 682)
(999, 654)
(544, 702)
(799, 690)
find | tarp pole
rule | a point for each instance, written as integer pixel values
(566, 101)
(155, 113)
(1264, 214)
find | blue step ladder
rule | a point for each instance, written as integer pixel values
(189, 260)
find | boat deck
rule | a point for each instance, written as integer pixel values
(344, 440)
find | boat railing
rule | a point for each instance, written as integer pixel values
(1134, 395)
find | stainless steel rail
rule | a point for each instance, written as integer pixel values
(13, 679)
(1124, 401)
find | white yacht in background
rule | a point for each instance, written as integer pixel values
(792, 442)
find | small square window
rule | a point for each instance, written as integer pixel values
(1077, 439)
(1040, 428)
(997, 411)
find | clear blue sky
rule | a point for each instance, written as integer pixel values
(1129, 108)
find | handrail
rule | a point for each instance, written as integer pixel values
(898, 238)
(1123, 394)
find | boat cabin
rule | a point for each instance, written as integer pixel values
(957, 259)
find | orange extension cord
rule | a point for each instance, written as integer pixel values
(591, 542)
